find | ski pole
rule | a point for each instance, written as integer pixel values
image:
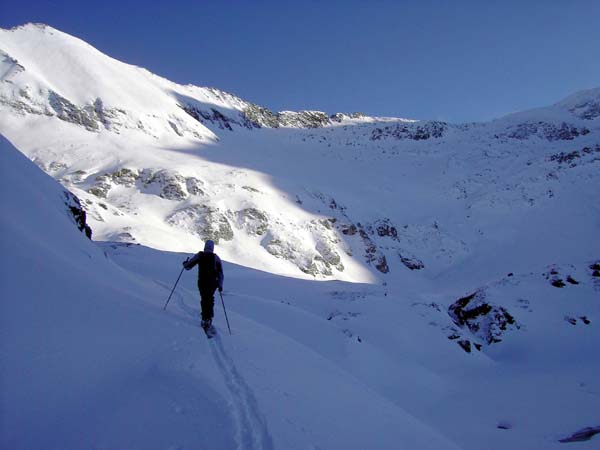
(173, 290)
(225, 311)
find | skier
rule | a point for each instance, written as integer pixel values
(210, 277)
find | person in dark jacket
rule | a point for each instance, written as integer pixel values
(210, 277)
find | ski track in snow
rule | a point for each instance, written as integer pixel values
(252, 432)
(252, 428)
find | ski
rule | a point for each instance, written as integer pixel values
(210, 331)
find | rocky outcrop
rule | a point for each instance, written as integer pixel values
(319, 259)
(252, 221)
(171, 185)
(260, 117)
(411, 262)
(204, 221)
(485, 321)
(211, 115)
(67, 111)
(576, 157)
(292, 249)
(585, 434)
(326, 244)
(102, 186)
(13, 66)
(255, 116)
(303, 119)
(167, 184)
(194, 186)
(78, 214)
(340, 117)
(549, 131)
(372, 253)
(125, 177)
(414, 131)
(588, 109)
(554, 277)
(595, 269)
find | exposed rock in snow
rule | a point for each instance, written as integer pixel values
(78, 213)
(341, 117)
(102, 186)
(253, 221)
(292, 249)
(585, 434)
(415, 131)
(553, 275)
(595, 269)
(303, 119)
(412, 262)
(204, 221)
(484, 320)
(125, 177)
(171, 185)
(194, 186)
(67, 111)
(317, 260)
(549, 131)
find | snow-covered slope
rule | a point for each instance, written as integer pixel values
(89, 359)
(479, 242)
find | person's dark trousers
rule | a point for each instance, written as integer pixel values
(207, 302)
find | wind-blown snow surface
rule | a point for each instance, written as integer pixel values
(472, 237)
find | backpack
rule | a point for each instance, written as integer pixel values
(207, 270)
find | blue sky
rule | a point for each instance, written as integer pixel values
(449, 60)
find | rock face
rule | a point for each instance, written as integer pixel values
(484, 320)
(77, 213)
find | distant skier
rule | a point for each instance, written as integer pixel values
(210, 277)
